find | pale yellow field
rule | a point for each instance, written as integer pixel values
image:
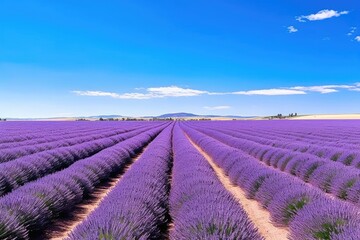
(327, 116)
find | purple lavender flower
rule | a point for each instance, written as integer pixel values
(284, 207)
(324, 218)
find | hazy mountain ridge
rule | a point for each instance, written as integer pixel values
(166, 115)
(190, 115)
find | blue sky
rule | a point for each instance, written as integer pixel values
(79, 58)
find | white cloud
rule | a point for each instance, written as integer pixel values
(95, 94)
(174, 91)
(356, 87)
(321, 15)
(352, 31)
(217, 107)
(271, 92)
(154, 92)
(292, 29)
(357, 38)
(323, 89)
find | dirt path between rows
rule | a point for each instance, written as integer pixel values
(329, 195)
(256, 213)
(63, 227)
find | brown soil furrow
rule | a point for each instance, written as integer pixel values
(256, 213)
(329, 195)
(62, 227)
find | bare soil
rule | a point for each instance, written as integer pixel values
(256, 213)
(63, 226)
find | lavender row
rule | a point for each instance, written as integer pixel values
(330, 131)
(344, 154)
(33, 206)
(342, 133)
(7, 155)
(307, 130)
(25, 169)
(310, 138)
(307, 212)
(200, 206)
(336, 151)
(348, 158)
(32, 129)
(137, 208)
(330, 177)
(24, 131)
(51, 137)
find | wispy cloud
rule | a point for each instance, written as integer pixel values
(292, 29)
(321, 15)
(271, 92)
(357, 38)
(352, 31)
(324, 89)
(154, 92)
(95, 94)
(217, 107)
(175, 91)
(356, 87)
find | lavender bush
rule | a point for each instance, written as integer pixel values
(200, 206)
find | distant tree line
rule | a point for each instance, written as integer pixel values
(121, 119)
(180, 119)
(108, 119)
(150, 119)
(161, 119)
(3, 119)
(281, 116)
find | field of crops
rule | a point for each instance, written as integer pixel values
(180, 180)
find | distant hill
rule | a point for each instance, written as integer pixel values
(106, 116)
(96, 117)
(194, 116)
(173, 115)
(191, 115)
(232, 116)
(177, 115)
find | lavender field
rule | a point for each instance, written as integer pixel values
(180, 180)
